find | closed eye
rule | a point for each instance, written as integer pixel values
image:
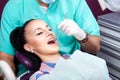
(39, 33)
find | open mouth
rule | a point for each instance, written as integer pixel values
(52, 41)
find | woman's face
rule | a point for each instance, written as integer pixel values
(40, 38)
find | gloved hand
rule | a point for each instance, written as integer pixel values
(71, 28)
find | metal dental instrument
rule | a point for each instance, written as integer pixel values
(64, 18)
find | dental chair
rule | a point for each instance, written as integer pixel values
(8, 73)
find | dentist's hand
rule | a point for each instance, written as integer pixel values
(71, 28)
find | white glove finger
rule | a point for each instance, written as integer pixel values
(62, 24)
(65, 27)
(69, 31)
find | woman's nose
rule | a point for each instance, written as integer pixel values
(49, 33)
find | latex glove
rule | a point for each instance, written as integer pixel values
(71, 28)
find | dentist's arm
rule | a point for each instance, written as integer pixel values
(88, 42)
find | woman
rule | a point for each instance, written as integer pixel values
(36, 38)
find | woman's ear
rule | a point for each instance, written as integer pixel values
(28, 48)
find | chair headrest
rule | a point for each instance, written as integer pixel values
(25, 60)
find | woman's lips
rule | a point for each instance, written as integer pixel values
(52, 41)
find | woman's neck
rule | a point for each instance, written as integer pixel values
(53, 58)
(42, 4)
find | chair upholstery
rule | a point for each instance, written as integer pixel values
(95, 8)
(2, 4)
(25, 61)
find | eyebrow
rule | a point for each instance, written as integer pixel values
(39, 28)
